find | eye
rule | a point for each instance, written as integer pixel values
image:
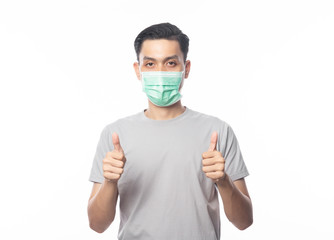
(171, 63)
(149, 64)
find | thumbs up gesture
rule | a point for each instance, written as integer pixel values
(114, 161)
(213, 161)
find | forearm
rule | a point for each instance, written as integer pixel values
(102, 207)
(237, 206)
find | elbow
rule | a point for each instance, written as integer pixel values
(97, 227)
(98, 224)
(246, 224)
(246, 220)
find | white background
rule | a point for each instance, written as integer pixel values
(265, 67)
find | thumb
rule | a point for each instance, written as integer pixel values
(213, 142)
(116, 143)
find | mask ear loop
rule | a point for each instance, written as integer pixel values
(140, 72)
(182, 79)
(141, 76)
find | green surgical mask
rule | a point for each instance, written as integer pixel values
(162, 88)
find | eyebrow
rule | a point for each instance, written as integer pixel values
(166, 59)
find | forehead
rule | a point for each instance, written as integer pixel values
(160, 48)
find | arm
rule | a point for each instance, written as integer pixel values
(102, 202)
(236, 200)
(237, 203)
(102, 205)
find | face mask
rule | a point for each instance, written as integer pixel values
(162, 88)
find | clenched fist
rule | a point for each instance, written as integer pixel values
(213, 161)
(114, 161)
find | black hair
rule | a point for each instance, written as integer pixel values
(162, 31)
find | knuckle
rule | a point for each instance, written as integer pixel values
(114, 153)
(117, 155)
(114, 162)
(105, 166)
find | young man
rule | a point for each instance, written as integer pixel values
(166, 161)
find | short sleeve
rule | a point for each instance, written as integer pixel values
(104, 145)
(235, 166)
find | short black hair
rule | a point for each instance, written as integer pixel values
(162, 31)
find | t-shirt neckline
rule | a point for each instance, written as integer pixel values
(166, 121)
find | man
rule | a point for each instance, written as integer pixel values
(166, 161)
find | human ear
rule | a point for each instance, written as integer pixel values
(136, 68)
(187, 68)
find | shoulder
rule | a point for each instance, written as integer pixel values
(118, 123)
(211, 119)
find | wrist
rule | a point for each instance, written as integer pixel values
(222, 181)
(108, 182)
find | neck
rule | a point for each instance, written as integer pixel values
(164, 113)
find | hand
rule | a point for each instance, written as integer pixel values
(213, 161)
(114, 161)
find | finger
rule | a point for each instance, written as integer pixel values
(210, 154)
(111, 176)
(117, 155)
(212, 161)
(117, 163)
(116, 143)
(213, 142)
(213, 168)
(108, 155)
(112, 169)
(215, 175)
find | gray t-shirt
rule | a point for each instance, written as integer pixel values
(164, 193)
